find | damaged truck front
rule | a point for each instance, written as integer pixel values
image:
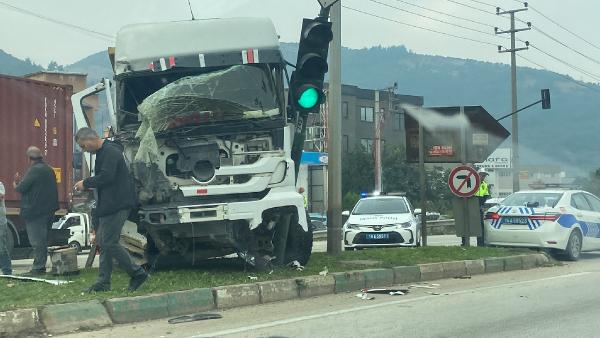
(201, 114)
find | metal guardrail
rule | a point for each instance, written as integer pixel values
(439, 227)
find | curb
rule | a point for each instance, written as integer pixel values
(89, 315)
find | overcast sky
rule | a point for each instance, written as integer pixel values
(29, 36)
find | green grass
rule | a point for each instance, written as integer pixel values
(16, 294)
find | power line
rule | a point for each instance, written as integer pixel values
(472, 7)
(446, 14)
(418, 27)
(562, 75)
(564, 45)
(58, 22)
(581, 70)
(484, 3)
(434, 19)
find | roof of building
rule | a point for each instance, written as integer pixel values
(54, 73)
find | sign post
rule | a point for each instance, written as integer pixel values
(464, 182)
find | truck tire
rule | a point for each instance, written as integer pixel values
(300, 242)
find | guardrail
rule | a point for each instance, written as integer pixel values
(439, 227)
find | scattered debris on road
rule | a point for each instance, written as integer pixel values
(194, 317)
(252, 278)
(33, 279)
(365, 296)
(391, 292)
(463, 277)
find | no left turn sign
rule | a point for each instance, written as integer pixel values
(463, 181)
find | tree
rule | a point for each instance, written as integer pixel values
(53, 66)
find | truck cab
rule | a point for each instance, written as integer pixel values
(201, 114)
(79, 227)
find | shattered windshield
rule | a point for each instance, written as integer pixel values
(175, 100)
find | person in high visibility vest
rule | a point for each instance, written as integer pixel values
(483, 194)
(301, 191)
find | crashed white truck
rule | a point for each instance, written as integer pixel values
(200, 111)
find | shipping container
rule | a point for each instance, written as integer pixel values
(34, 113)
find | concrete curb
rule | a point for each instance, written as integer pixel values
(88, 315)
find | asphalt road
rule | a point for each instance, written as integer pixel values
(546, 302)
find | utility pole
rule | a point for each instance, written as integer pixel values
(379, 124)
(377, 143)
(513, 72)
(334, 144)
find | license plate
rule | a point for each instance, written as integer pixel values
(515, 220)
(377, 236)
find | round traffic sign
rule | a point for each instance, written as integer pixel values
(463, 181)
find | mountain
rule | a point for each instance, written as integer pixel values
(566, 135)
(10, 65)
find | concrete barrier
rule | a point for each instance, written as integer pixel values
(454, 269)
(137, 309)
(494, 265)
(349, 281)
(236, 295)
(406, 274)
(312, 286)
(475, 267)
(62, 318)
(378, 277)
(529, 261)
(431, 271)
(190, 301)
(19, 323)
(277, 290)
(513, 263)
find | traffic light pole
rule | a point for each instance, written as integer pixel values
(377, 143)
(334, 173)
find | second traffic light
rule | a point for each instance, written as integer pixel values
(306, 84)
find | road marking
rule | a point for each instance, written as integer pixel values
(374, 306)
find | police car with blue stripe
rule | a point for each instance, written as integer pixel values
(565, 221)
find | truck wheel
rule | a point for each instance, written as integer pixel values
(75, 245)
(299, 244)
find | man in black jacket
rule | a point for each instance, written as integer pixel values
(39, 202)
(115, 199)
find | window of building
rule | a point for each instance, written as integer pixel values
(345, 109)
(345, 144)
(366, 114)
(367, 144)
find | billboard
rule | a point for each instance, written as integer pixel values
(499, 159)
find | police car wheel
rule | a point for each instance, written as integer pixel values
(573, 246)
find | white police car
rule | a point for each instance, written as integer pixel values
(566, 221)
(381, 221)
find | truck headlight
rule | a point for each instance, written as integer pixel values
(352, 226)
(404, 225)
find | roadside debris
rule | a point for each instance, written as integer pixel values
(463, 277)
(252, 277)
(194, 317)
(422, 287)
(324, 272)
(33, 279)
(296, 265)
(391, 292)
(433, 293)
(364, 296)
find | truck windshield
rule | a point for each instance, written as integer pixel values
(176, 99)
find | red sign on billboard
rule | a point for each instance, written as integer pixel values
(441, 151)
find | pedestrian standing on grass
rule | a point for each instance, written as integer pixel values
(115, 199)
(39, 202)
(5, 263)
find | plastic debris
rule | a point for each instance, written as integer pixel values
(33, 279)
(421, 286)
(463, 277)
(252, 278)
(194, 317)
(433, 293)
(391, 292)
(324, 272)
(296, 265)
(365, 296)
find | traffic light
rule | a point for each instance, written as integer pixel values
(306, 84)
(546, 99)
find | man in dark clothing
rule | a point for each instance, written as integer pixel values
(39, 202)
(115, 199)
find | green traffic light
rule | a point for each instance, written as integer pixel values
(309, 98)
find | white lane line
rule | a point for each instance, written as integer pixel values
(374, 306)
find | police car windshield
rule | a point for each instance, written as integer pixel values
(529, 199)
(380, 206)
